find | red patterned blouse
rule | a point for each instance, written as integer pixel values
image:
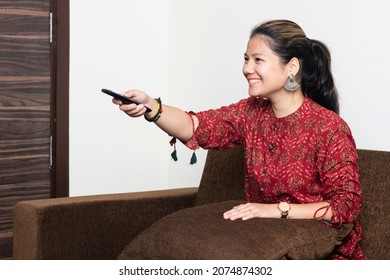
(308, 156)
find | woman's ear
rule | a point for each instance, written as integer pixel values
(294, 66)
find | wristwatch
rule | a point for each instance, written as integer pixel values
(284, 209)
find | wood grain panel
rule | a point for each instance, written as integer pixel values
(5, 244)
(32, 5)
(21, 24)
(25, 108)
(24, 124)
(24, 56)
(26, 91)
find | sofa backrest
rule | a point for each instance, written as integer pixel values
(223, 179)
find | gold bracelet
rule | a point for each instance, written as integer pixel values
(158, 114)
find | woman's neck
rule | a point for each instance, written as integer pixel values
(287, 104)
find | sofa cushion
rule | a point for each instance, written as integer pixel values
(201, 232)
(375, 180)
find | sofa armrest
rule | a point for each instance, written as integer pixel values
(90, 227)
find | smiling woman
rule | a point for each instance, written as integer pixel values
(300, 156)
(306, 60)
(190, 53)
(264, 72)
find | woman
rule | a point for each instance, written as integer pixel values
(300, 156)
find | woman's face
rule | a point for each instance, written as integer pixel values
(263, 69)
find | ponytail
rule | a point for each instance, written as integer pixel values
(317, 80)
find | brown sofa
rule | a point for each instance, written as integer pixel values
(101, 226)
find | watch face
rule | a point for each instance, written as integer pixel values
(284, 206)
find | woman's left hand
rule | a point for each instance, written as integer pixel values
(252, 210)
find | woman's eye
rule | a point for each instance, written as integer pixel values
(246, 59)
(257, 59)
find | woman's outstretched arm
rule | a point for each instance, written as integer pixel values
(172, 120)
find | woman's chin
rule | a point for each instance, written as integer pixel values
(254, 93)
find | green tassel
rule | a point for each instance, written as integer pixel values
(193, 159)
(174, 155)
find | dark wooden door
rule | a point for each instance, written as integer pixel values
(27, 108)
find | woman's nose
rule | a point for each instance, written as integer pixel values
(247, 68)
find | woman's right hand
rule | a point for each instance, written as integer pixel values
(134, 110)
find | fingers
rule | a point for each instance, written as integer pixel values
(116, 101)
(243, 211)
(133, 110)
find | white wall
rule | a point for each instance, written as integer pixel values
(116, 44)
(190, 53)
